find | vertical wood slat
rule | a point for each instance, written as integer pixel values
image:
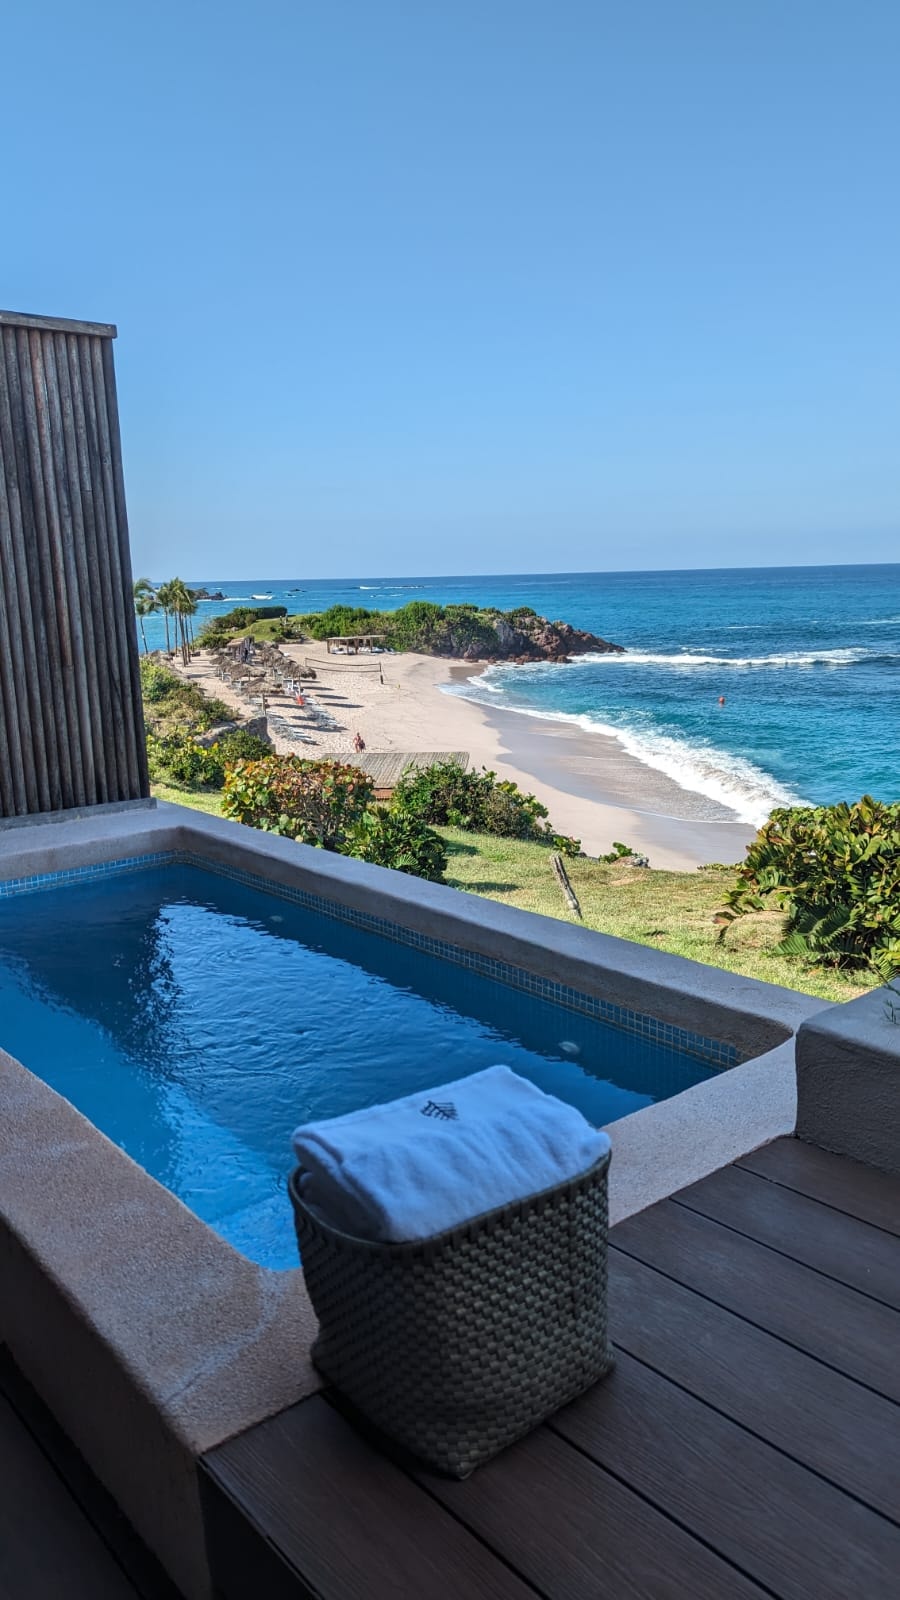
(57, 635)
(139, 744)
(71, 725)
(25, 619)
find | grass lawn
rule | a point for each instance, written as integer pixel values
(669, 910)
(201, 799)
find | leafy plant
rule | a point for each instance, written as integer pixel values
(317, 802)
(451, 795)
(835, 871)
(239, 744)
(178, 757)
(171, 703)
(617, 852)
(396, 839)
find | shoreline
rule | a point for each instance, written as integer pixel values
(592, 787)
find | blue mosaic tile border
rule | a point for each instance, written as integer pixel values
(101, 869)
(715, 1052)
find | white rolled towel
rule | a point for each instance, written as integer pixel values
(411, 1168)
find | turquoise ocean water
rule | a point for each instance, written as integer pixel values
(808, 659)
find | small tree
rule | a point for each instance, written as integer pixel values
(146, 601)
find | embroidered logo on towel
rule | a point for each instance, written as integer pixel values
(446, 1110)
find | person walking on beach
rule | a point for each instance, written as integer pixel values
(359, 743)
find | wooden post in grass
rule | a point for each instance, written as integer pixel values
(562, 878)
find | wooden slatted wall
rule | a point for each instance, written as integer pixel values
(71, 726)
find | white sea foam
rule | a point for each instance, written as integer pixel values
(728, 780)
(687, 658)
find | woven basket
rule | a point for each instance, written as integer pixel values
(455, 1346)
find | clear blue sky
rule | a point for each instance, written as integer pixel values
(474, 285)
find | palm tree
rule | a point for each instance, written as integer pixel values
(183, 606)
(146, 602)
(164, 596)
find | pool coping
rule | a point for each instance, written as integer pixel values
(155, 1391)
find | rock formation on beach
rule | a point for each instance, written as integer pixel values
(527, 637)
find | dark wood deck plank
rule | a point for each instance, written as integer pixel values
(353, 1525)
(829, 1241)
(139, 1564)
(48, 1549)
(772, 1518)
(847, 1185)
(826, 1319)
(579, 1534)
(824, 1420)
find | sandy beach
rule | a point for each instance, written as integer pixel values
(592, 787)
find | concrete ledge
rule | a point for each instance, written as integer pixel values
(150, 1338)
(679, 1141)
(77, 813)
(848, 1081)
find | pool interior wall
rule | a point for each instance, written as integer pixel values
(197, 1017)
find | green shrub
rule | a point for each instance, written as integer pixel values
(338, 621)
(446, 794)
(239, 744)
(835, 870)
(617, 852)
(157, 683)
(170, 702)
(317, 802)
(397, 839)
(178, 757)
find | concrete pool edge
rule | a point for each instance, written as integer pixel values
(91, 1247)
(150, 1338)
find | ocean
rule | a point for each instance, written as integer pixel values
(807, 659)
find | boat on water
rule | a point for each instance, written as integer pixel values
(260, 597)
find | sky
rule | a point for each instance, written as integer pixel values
(441, 286)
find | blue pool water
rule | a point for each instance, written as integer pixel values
(196, 1021)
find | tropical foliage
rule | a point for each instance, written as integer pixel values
(178, 606)
(421, 626)
(317, 802)
(396, 839)
(216, 631)
(170, 702)
(451, 795)
(146, 602)
(179, 757)
(835, 871)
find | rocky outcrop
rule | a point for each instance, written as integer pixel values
(256, 725)
(528, 637)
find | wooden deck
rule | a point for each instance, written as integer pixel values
(746, 1446)
(61, 1535)
(386, 767)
